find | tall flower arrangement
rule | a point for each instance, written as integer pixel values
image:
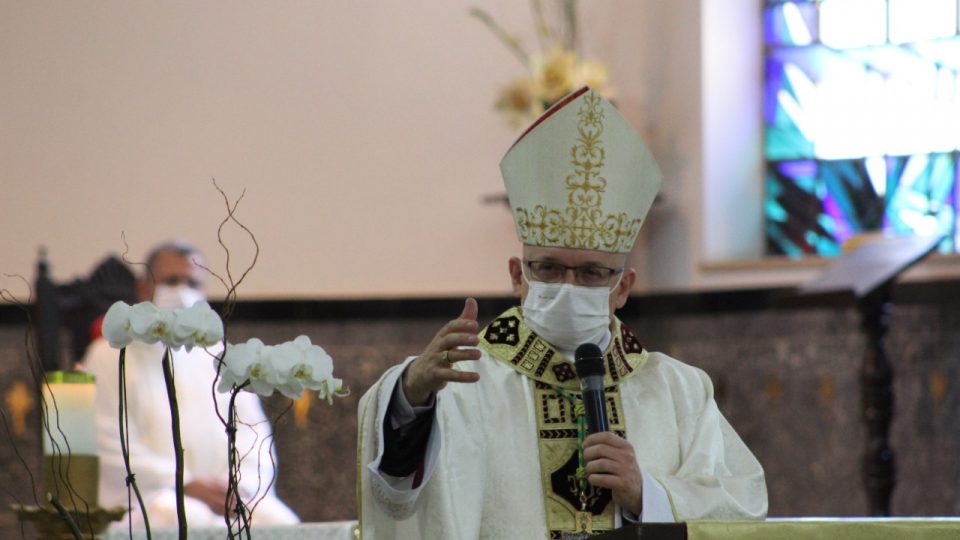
(289, 368)
(196, 326)
(552, 71)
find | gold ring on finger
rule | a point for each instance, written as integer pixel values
(445, 356)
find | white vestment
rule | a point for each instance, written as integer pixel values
(203, 435)
(483, 474)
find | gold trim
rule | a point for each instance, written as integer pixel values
(557, 445)
(509, 340)
(582, 224)
(360, 429)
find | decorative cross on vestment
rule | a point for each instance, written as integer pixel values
(573, 508)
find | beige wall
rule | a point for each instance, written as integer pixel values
(361, 133)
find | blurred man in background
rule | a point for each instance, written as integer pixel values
(173, 279)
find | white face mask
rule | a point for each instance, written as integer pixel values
(176, 296)
(567, 315)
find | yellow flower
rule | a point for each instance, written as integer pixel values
(552, 74)
(520, 101)
(555, 73)
(591, 73)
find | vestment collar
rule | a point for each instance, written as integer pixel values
(508, 339)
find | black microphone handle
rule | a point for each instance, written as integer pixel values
(596, 411)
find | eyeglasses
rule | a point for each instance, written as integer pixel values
(588, 275)
(176, 280)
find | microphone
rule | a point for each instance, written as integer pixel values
(588, 360)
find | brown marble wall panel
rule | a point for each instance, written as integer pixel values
(19, 437)
(787, 382)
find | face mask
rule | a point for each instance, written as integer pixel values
(176, 296)
(567, 315)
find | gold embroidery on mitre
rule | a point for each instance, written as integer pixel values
(583, 223)
(512, 342)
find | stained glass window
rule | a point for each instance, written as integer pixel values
(862, 121)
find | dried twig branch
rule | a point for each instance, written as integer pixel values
(512, 43)
(570, 17)
(544, 33)
(35, 368)
(74, 530)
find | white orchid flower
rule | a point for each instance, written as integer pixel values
(238, 361)
(262, 372)
(302, 365)
(331, 387)
(173, 339)
(248, 363)
(288, 368)
(317, 367)
(116, 325)
(197, 326)
(316, 371)
(150, 324)
(286, 360)
(233, 366)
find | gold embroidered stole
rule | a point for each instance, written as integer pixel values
(510, 341)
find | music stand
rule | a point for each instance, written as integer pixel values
(865, 277)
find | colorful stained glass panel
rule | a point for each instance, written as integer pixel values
(846, 24)
(862, 121)
(790, 23)
(922, 20)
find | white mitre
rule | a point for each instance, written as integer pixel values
(580, 177)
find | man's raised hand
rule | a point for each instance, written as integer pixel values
(433, 368)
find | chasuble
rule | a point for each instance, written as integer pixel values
(502, 456)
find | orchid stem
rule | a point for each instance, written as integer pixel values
(233, 489)
(74, 530)
(124, 443)
(177, 442)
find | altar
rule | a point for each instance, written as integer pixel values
(811, 528)
(327, 530)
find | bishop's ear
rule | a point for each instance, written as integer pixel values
(516, 275)
(624, 287)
